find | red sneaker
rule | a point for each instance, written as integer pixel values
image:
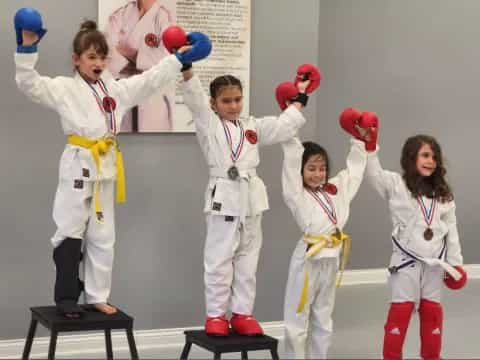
(246, 325)
(216, 326)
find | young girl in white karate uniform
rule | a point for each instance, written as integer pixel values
(320, 206)
(235, 197)
(425, 241)
(90, 105)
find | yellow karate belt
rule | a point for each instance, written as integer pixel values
(98, 148)
(318, 243)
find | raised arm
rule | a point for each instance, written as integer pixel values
(363, 126)
(292, 180)
(351, 177)
(291, 98)
(40, 89)
(273, 129)
(197, 101)
(383, 181)
(131, 91)
(159, 76)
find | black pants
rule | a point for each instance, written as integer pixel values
(67, 257)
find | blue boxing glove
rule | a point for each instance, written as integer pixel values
(31, 20)
(201, 48)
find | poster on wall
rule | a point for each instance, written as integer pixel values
(134, 29)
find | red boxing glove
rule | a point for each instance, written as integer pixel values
(348, 119)
(174, 37)
(369, 120)
(453, 284)
(351, 119)
(284, 93)
(308, 72)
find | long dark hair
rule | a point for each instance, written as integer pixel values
(311, 149)
(87, 36)
(434, 186)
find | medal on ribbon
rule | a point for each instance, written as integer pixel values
(107, 105)
(328, 209)
(233, 172)
(428, 215)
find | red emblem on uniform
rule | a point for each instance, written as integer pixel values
(251, 136)
(330, 188)
(151, 40)
(109, 104)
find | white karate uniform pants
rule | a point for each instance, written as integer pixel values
(308, 334)
(230, 261)
(415, 282)
(75, 217)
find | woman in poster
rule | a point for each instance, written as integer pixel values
(134, 33)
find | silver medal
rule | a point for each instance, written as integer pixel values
(233, 173)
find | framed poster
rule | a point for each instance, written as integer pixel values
(133, 29)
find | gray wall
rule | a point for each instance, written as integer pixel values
(160, 230)
(412, 62)
(416, 64)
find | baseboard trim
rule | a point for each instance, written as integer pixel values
(94, 343)
(379, 276)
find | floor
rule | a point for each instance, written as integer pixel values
(358, 327)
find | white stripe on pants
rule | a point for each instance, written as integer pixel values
(75, 217)
(308, 334)
(230, 261)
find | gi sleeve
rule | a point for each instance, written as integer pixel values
(133, 90)
(276, 129)
(40, 89)
(292, 180)
(351, 177)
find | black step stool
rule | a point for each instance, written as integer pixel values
(92, 320)
(231, 343)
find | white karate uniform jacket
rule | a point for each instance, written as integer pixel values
(73, 100)
(408, 229)
(407, 218)
(213, 142)
(315, 322)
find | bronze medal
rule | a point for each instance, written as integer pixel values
(428, 216)
(233, 173)
(428, 234)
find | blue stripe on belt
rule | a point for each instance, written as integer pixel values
(414, 258)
